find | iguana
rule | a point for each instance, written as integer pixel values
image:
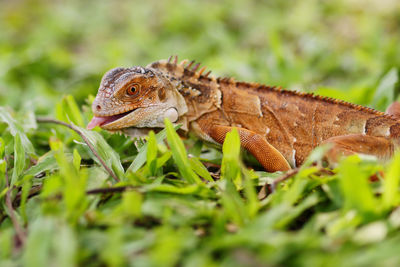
(279, 127)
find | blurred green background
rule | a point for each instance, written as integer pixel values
(344, 49)
(336, 48)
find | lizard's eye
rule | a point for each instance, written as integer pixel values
(133, 89)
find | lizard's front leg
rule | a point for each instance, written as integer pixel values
(269, 157)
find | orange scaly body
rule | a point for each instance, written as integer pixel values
(279, 127)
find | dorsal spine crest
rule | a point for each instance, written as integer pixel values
(185, 67)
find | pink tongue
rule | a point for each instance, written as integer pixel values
(97, 121)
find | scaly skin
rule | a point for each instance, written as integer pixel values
(279, 127)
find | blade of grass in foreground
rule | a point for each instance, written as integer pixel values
(15, 128)
(179, 154)
(390, 196)
(141, 157)
(355, 187)
(239, 210)
(105, 151)
(200, 169)
(152, 154)
(230, 168)
(19, 159)
(67, 110)
(73, 182)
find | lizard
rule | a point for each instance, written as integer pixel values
(278, 127)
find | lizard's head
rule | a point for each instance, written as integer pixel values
(135, 97)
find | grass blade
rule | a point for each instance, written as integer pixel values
(67, 110)
(390, 196)
(19, 159)
(200, 169)
(105, 151)
(230, 168)
(355, 188)
(141, 157)
(179, 154)
(152, 154)
(15, 128)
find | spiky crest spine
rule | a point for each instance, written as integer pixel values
(188, 70)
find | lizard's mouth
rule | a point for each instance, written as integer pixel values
(100, 121)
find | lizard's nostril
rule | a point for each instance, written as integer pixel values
(98, 107)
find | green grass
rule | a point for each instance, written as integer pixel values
(162, 201)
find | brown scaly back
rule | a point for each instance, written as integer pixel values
(192, 83)
(190, 69)
(282, 91)
(206, 90)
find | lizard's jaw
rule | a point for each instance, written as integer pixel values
(100, 121)
(143, 117)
